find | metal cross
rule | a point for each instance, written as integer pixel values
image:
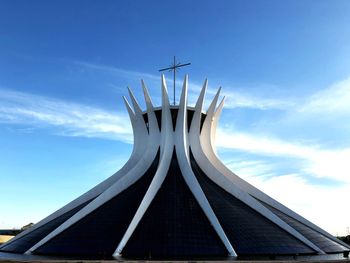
(174, 67)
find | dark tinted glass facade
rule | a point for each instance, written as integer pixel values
(27, 241)
(174, 112)
(248, 231)
(324, 243)
(174, 225)
(97, 235)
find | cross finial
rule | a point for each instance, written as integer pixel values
(173, 68)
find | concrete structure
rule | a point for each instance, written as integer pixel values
(175, 199)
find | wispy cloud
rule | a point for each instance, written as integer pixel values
(74, 119)
(249, 167)
(334, 100)
(295, 190)
(234, 99)
(240, 100)
(70, 119)
(309, 200)
(327, 163)
(116, 70)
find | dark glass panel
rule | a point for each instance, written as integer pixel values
(249, 232)
(27, 241)
(159, 118)
(97, 235)
(190, 114)
(324, 243)
(174, 226)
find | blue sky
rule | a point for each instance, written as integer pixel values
(284, 67)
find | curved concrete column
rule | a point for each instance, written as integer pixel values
(149, 138)
(135, 173)
(137, 152)
(182, 153)
(208, 143)
(166, 151)
(203, 152)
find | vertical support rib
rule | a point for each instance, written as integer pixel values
(207, 125)
(137, 152)
(208, 144)
(196, 120)
(181, 145)
(162, 170)
(214, 125)
(174, 78)
(135, 104)
(137, 123)
(117, 187)
(147, 97)
(152, 119)
(147, 140)
(181, 138)
(204, 155)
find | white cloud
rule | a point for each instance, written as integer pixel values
(70, 118)
(240, 100)
(319, 162)
(233, 99)
(233, 139)
(118, 71)
(320, 203)
(324, 206)
(335, 100)
(237, 99)
(294, 190)
(250, 168)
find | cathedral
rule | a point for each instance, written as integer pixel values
(175, 199)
